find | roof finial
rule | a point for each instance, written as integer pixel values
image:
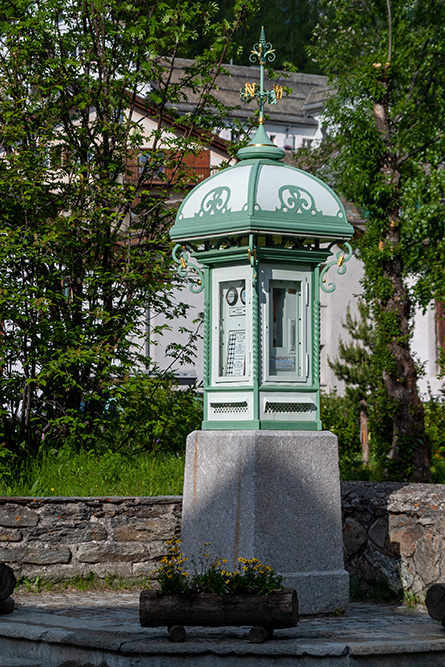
(265, 53)
(260, 145)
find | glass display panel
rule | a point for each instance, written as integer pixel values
(232, 328)
(286, 328)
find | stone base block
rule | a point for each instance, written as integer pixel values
(274, 495)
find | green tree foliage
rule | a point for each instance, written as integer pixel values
(353, 363)
(357, 365)
(386, 63)
(289, 25)
(84, 244)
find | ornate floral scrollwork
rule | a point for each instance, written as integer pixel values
(181, 255)
(340, 260)
(215, 201)
(294, 199)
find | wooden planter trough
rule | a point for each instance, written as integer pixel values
(264, 612)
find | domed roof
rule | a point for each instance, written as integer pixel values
(261, 195)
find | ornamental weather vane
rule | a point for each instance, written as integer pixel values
(265, 53)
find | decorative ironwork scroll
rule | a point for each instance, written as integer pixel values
(341, 259)
(181, 255)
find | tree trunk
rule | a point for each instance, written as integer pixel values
(275, 610)
(410, 445)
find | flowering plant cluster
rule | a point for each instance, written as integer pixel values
(211, 575)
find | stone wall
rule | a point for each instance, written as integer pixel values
(392, 533)
(59, 538)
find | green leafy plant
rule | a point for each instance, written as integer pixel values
(384, 150)
(151, 414)
(211, 576)
(88, 90)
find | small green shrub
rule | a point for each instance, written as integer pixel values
(435, 427)
(341, 416)
(149, 414)
(211, 576)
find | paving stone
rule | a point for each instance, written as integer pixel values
(93, 623)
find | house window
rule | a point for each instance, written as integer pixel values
(286, 321)
(289, 143)
(142, 163)
(155, 171)
(307, 143)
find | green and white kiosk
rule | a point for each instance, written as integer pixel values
(262, 477)
(260, 232)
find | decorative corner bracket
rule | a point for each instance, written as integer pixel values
(181, 255)
(340, 261)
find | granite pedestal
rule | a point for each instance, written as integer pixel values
(274, 495)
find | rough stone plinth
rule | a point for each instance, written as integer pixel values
(274, 495)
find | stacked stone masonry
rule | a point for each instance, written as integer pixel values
(60, 538)
(393, 533)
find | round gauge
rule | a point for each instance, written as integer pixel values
(243, 296)
(232, 296)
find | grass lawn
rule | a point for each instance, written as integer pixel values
(69, 473)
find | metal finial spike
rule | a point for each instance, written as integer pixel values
(265, 53)
(263, 44)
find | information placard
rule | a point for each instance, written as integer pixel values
(236, 353)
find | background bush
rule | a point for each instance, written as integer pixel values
(341, 416)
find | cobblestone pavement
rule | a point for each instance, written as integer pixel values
(102, 629)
